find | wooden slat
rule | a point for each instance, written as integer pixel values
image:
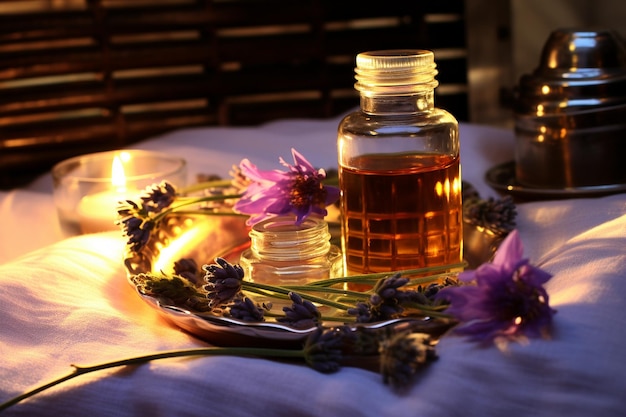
(106, 73)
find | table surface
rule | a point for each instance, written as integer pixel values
(65, 300)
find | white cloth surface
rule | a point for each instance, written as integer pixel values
(69, 303)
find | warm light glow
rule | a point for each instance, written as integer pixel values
(540, 110)
(118, 178)
(439, 188)
(174, 250)
(545, 89)
(125, 156)
(456, 185)
(448, 187)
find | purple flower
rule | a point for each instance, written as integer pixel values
(508, 299)
(272, 193)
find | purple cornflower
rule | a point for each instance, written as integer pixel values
(508, 299)
(298, 191)
(224, 281)
(302, 314)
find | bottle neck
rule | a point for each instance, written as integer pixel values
(419, 102)
(280, 239)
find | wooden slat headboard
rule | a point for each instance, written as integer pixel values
(79, 76)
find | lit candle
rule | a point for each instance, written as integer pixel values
(97, 212)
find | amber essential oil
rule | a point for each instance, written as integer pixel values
(401, 212)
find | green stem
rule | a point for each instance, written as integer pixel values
(187, 201)
(329, 290)
(210, 351)
(253, 286)
(201, 186)
(376, 276)
(212, 213)
(338, 319)
(426, 280)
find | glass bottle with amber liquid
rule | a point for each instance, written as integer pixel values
(399, 168)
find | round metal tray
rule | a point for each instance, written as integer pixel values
(204, 238)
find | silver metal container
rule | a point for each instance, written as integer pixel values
(570, 114)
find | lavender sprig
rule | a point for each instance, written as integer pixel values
(138, 220)
(224, 281)
(323, 350)
(389, 300)
(402, 355)
(495, 215)
(302, 314)
(245, 309)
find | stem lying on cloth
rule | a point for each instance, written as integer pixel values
(209, 351)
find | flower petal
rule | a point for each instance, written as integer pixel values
(509, 252)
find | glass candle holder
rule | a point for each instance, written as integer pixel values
(88, 188)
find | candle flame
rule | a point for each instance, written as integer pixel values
(118, 178)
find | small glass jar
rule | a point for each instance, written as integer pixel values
(283, 253)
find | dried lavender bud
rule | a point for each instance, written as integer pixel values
(136, 219)
(362, 311)
(495, 215)
(361, 341)
(158, 197)
(175, 290)
(387, 289)
(138, 232)
(188, 268)
(224, 281)
(431, 291)
(412, 297)
(322, 349)
(402, 355)
(301, 315)
(127, 208)
(246, 310)
(385, 302)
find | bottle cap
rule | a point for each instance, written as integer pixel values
(395, 71)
